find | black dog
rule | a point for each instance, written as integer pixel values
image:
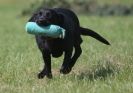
(50, 46)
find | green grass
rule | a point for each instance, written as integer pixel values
(123, 2)
(100, 69)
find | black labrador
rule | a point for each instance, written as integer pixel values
(55, 47)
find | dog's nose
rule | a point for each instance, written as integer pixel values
(42, 22)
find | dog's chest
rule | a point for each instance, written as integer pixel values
(56, 47)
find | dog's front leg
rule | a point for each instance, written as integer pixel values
(65, 69)
(47, 66)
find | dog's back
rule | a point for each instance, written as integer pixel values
(68, 13)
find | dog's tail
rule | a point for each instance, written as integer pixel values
(89, 32)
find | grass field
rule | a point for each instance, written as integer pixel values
(100, 69)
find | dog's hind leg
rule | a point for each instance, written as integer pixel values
(69, 61)
(76, 55)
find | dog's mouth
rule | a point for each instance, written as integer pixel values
(42, 22)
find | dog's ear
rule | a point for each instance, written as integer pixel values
(33, 18)
(61, 18)
(34, 15)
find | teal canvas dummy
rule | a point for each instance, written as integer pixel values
(53, 31)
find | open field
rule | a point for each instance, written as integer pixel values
(100, 69)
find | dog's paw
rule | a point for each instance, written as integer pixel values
(41, 75)
(65, 70)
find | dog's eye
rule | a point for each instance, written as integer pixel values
(40, 13)
(48, 15)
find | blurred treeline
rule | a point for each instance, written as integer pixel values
(90, 7)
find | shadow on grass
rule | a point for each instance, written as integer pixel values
(99, 72)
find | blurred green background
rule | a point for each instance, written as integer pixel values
(90, 7)
(100, 68)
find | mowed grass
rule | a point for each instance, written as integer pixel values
(100, 68)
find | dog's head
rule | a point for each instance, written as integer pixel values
(46, 17)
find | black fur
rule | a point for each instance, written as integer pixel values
(55, 47)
